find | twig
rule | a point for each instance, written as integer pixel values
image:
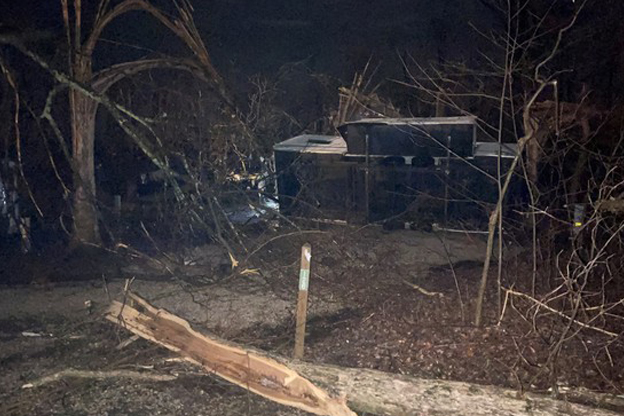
(277, 237)
(127, 342)
(98, 375)
(423, 291)
(108, 295)
(502, 314)
(563, 315)
(450, 262)
(16, 126)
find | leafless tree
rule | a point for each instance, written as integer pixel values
(80, 77)
(504, 94)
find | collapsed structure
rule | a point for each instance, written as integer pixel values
(410, 169)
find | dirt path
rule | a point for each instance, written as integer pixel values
(47, 330)
(232, 306)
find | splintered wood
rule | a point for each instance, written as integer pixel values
(253, 371)
(368, 391)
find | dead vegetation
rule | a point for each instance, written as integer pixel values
(362, 316)
(548, 320)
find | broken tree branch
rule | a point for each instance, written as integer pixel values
(104, 79)
(422, 290)
(255, 372)
(561, 314)
(99, 375)
(365, 390)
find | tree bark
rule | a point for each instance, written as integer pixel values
(380, 393)
(83, 109)
(290, 382)
(82, 113)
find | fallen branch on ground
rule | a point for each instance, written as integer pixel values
(365, 390)
(99, 375)
(559, 313)
(251, 370)
(423, 291)
(124, 344)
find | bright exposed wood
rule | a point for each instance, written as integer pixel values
(379, 393)
(364, 390)
(257, 373)
(302, 301)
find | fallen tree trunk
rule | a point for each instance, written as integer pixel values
(255, 372)
(365, 390)
(382, 393)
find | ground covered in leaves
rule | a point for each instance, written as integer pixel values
(398, 301)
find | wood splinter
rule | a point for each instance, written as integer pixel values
(250, 370)
(368, 391)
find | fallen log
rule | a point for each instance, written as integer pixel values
(380, 393)
(371, 391)
(255, 372)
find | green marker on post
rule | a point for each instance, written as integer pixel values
(302, 300)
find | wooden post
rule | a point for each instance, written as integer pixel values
(117, 205)
(367, 181)
(302, 300)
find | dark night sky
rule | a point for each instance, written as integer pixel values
(248, 37)
(337, 37)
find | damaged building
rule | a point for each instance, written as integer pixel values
(417, 170)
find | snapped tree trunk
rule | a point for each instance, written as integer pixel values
(328, 390)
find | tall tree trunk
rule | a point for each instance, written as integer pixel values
(82, 110)
(581, 163)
